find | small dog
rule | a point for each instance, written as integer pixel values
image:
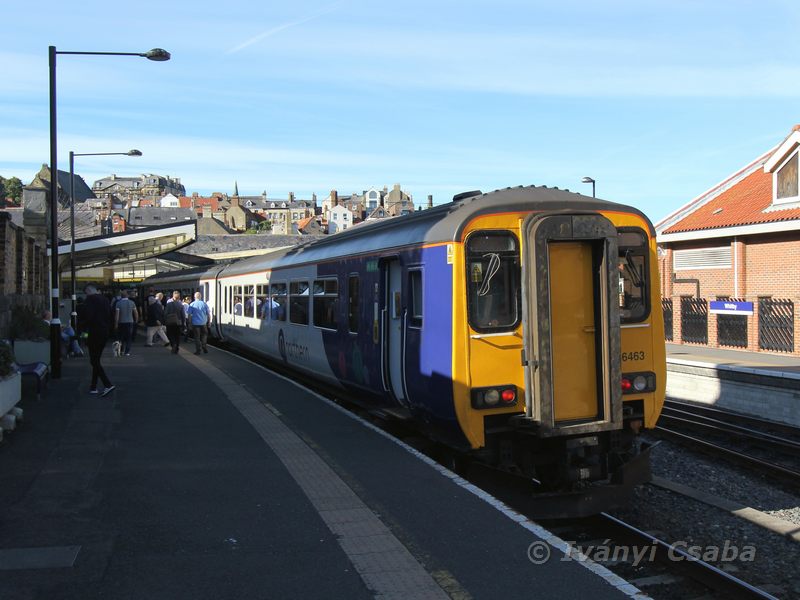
(116, 347)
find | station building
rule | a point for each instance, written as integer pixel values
(730, 258)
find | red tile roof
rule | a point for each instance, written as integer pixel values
(198, 203)
(741, 204)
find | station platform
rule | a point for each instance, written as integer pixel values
(210, 477)
(763, 363)
(758, 384)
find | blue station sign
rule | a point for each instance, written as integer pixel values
(729, 307)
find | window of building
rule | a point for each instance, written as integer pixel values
(352, 303)
(493, 276)
(298, 302)
(326, 303)
(415, 299)
(786, 181)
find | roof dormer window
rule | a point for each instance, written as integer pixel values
(786, 181)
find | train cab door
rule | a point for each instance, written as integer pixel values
(393, 329)
(571, 322)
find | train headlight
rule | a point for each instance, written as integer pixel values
(494, 397)
(638, 383)
(491, 397)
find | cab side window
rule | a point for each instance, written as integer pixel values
(633, 279)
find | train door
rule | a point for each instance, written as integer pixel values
(393, 328)
(571, 321)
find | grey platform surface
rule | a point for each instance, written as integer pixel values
(172, 488)
(775, 364)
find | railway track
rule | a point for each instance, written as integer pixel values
(771, 448)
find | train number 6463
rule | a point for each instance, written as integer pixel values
(626, 356)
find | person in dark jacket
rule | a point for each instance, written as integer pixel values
(175, 318)
(97, 323)
(155, 322)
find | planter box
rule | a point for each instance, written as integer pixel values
(10, 392)
(29, 352)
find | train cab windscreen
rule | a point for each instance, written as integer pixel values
(493, 276)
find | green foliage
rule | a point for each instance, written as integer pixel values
(6, 360)
(26, 324)
(13, 187)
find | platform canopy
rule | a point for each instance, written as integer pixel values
(130, 246)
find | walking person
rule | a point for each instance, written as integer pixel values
(200, 317)
(186, 302)
(125, 317)
(175, 319)
(97, 324)
(155, 322)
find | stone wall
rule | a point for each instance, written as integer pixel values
(23, 271)
(769, 397)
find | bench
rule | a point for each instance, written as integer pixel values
(36, 371)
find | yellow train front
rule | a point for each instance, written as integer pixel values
(558, 354)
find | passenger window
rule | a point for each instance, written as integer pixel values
(415, 301)
(298, 302)
(277, 302)
(262, 292)
(238, 307)
(326, 303)
(249, 301)
(352, 304)
(493, 281)
(632, 271)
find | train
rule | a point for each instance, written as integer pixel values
(521, 328)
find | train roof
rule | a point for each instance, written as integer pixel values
(441, 224)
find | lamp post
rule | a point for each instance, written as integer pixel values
(73, 315)
(156, 54)
(589, 180)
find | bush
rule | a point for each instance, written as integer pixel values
(7, 366)
(27, 324)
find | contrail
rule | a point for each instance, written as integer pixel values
(275, 30)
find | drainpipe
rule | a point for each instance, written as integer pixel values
(688, 280)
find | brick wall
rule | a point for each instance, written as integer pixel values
(767, 265)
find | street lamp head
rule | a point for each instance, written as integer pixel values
(587, 180)
(134, 152)
(157, 54)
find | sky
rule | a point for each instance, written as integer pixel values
(657, 101)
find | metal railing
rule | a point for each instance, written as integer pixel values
(732, 329)
(694, 320)
(666, 306)
(776, 325)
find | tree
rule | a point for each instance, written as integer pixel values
(2, 191)
(13, 189)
